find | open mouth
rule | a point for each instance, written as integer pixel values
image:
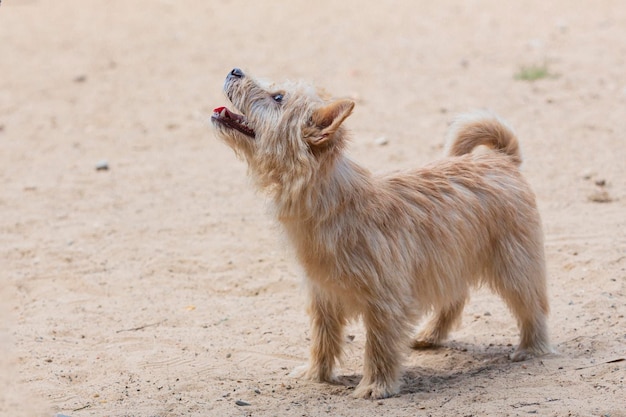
(232, 120)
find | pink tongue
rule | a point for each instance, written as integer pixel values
(219, 109)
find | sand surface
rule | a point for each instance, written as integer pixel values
(162, 287)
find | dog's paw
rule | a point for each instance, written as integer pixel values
(299, 371)
(375, 390)
(429, 338)
(522, 354)
(313, 374)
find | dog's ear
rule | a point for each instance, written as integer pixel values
(326, 120)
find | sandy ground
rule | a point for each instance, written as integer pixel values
(161, 287)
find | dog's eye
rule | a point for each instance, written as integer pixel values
(278, 98)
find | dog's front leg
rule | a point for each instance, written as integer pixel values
(327, 324)
(381, 364)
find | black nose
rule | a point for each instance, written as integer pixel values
(236, 72)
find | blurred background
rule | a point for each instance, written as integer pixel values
(136, 255)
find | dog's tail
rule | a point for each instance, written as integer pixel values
(482, 128)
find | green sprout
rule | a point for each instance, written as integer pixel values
(534, 72)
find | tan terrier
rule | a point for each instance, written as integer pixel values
(391, 248)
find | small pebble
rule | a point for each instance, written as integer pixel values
(562, 25)
(587, 174)
(600, 196)
(102, 166)
(241, 403)
(382, 141)
(600, 183)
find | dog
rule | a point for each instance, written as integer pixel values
(390, 248)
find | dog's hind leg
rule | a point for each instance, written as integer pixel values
(439, 326)
(520, 279)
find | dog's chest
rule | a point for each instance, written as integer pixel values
(330, 254)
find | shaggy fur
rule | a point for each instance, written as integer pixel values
(391, 248)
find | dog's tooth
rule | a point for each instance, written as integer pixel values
(223, 112)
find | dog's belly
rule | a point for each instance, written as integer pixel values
(364, 270)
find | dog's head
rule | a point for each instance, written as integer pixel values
(282, 130)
